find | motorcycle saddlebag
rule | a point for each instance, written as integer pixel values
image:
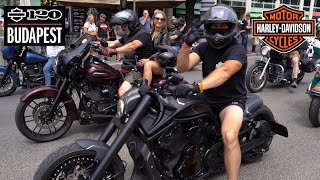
(308, 64)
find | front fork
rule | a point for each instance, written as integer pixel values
(265, 68)
(63, 88)
(6, 74)
(122, 136)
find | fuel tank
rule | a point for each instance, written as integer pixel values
(32, 57)
(97, 72)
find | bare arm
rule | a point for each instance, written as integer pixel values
(221, 74)
(85, 30)
(186, 60)
(127, 48)
(144, 21)
(174, 37)
(114, 44)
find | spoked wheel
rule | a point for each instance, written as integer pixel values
(9, 87)
(74, 162)
(32, 122)
(253, 81)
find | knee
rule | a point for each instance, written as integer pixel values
(148, 66)
(230, 138)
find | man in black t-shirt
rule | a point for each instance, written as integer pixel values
(223, 84)
(135, 45)
(245, 29)
(103, 32)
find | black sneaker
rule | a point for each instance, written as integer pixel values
(294, 84)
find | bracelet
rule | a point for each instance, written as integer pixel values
(200, 86)
(186, 45)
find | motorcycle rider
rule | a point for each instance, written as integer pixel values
(295, 56)
(176, 35)
(223, 84)
(135, 45)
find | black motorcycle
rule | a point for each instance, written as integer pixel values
(275, 67)
(167, 137)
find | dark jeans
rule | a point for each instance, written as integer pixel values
(244, 37)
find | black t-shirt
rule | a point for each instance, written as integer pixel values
(243, 26)
(144, 51)
(234, 88)
(102, 28)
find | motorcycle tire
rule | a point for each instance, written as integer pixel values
(9, 91)
(314, 112)
(70, 157)
(21, 123)
(249, 77)
(264, 115)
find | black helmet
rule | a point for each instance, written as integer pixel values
(126, 16)
(177, 22)
(221, 13)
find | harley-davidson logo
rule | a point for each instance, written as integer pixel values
(283, 28)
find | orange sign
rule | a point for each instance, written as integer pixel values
(283, 28)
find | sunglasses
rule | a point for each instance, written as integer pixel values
(157, 19)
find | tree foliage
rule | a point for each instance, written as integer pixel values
(189, 12)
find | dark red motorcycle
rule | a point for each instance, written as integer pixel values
(86, 91)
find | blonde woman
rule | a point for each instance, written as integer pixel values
(160, 36)
(90, 28)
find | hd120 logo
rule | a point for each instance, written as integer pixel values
(34, 25)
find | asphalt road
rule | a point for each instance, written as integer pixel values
(296, 157)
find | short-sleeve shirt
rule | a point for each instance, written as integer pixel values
(146, 26)
(102, 28)
(243, 25)
(234, 88)
(91, 27)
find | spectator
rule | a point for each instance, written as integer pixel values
(145, 21)
(113, 34)
(52, 52)
(245, 29)
(103, 32)
(90, 29)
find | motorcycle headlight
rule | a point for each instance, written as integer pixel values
(265, 50)
(120, 107)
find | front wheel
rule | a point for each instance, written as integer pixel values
(74, 162)
(314, 116)
(9, 86)
(253, 81)
(31, 120)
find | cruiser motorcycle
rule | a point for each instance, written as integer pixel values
(168, 137)
(29, 63)
(275, 67)
(86, 91)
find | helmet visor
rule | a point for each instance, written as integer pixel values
(223, 28)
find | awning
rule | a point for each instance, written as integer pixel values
(91, 3)
(116, 3)
(155, 3)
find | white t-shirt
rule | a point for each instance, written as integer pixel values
(52, 51)
(91, 27)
